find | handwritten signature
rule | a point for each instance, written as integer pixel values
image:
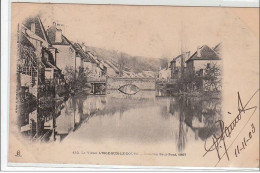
(218, 143)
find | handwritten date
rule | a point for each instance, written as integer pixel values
(245, 141)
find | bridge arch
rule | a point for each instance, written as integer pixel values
(114, 83)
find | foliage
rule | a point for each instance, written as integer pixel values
(208, 79)
(212, 78)
(76, 78)
(189, 82)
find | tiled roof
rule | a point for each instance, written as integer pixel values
(25, 41)
(112, 66)
(83, 54)
(206, 53)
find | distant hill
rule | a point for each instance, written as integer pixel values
(135, 64)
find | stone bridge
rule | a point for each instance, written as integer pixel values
(114, 83)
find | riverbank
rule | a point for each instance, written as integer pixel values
(201, 94)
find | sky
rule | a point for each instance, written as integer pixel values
(154, 31)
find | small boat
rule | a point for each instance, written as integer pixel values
(129, 89)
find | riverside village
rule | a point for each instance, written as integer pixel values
(68, 88)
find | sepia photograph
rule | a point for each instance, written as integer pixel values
(134, 85)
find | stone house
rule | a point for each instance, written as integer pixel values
(203, 59)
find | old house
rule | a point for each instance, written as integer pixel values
(177, 65)
(96, 66)
(66, 58)
(91, 65)
(82, 59)
(206, 63)
(36, 57)
(202, 58)
(89, 62)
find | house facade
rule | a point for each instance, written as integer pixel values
(178, 65)
(66, 58)
(36, 62)
(204, 57)
(206, 63)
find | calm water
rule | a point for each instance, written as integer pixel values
(140, 118)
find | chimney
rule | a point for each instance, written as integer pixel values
(198, 52)
(58, 33)
(58, 36)
(33, 27)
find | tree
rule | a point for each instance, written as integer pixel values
(189, 81)
(212, 78)
(76, 78)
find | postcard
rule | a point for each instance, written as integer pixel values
(134, 85)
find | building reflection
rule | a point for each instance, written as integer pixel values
(53, 122)
(196, 114)
(192, 117)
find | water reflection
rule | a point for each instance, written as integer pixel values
(142, 118)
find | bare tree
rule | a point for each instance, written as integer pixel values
(122, 62)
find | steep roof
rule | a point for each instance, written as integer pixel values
(39, 28)
(83, 54)
(218, 48)
(112, 66)
(64, 41)
(206, 54)
(25, 41)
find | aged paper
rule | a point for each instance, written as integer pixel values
(134, 85)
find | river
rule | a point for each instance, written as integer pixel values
(140, 118)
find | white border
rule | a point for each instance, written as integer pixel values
(5, 77)
(5, 80)
(219, 3)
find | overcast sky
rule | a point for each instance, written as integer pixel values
(137, 30)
